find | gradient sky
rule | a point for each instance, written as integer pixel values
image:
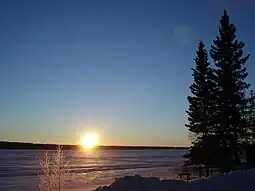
(117, 67)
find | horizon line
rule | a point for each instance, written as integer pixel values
(130, 146)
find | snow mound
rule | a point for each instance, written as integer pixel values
(139, 183)
(234, 181)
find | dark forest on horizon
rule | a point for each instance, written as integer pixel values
(22, 145)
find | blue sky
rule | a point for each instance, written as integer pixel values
(118, 68)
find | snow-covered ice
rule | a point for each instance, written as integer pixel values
(234, 181)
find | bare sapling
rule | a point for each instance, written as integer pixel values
(55, 171)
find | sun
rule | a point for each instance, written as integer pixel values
(89, 140)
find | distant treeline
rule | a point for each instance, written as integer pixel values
(21, 145)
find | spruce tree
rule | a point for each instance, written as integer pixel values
(200, 107)
(230, 74)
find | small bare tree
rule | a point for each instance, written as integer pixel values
(55, 171)
(46, 176)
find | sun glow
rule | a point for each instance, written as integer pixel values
(89, 141)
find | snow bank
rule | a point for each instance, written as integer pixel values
(235, 181)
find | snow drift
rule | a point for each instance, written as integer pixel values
(234, 181)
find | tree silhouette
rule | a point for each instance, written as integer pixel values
(230, 75)
(200, 112)
(221, 117)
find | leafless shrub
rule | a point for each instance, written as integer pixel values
(55, 171)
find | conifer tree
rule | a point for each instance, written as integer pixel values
(200, 107)
(230, 74)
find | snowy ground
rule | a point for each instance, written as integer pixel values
(234, 181)
(83, 182)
